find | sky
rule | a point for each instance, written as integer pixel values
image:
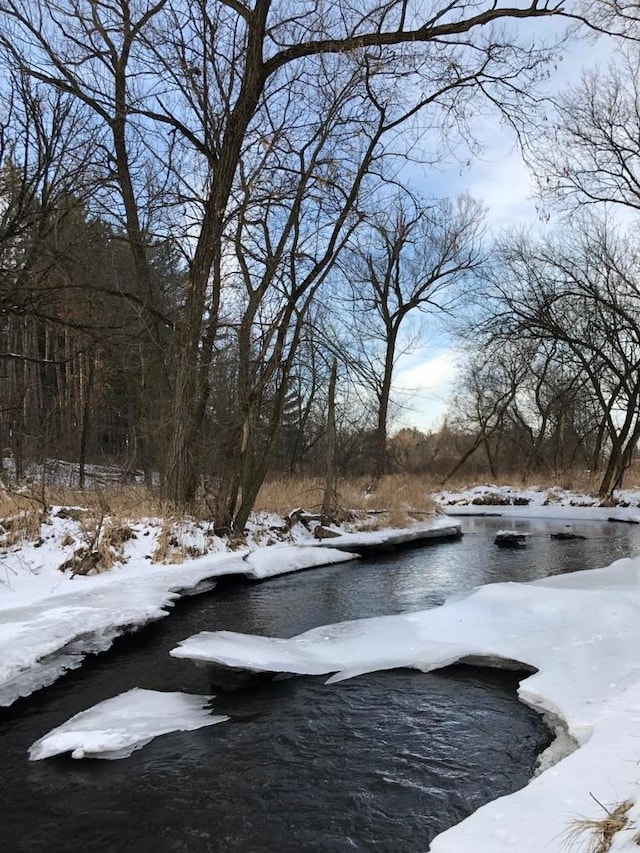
(426, 378)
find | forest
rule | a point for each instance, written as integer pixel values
(213, 248)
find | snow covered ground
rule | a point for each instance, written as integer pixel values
(51, 619)
(535, 502)
(579, 631)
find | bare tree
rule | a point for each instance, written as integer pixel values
(296, 210)
(409, 261)
(592, 153)
(581, 290)
(45, 145)
(524, 404)
(182, 91)
(328, 500)
(88, 51)
(489, 387)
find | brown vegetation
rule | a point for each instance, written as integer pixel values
(394, 501)
(598, 833)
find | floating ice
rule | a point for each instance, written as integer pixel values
(117, 727)
(579, 631)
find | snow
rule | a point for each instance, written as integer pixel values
(436, 527)
(577, 633)
(49, 620)
(547, 504)
(551, 513)
(117, 727)
(44, 635)
(575, 630)
(279, 559)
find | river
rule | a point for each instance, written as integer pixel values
(383, 762)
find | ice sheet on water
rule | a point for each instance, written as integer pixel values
(117, 727)
(44, 635)
(49, 619)
(578, 632)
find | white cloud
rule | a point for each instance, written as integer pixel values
(500, 179)
(505, 186)
(422, 385)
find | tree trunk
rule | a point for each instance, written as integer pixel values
(179, 482)
(86, 411)
(611, 471)
(330, 473)
(490, 458)
(191, 389)
(380, 460)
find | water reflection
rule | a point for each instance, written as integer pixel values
(423, 577)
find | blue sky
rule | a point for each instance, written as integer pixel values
(425, 379)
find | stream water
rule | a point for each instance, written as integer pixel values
(383, 762)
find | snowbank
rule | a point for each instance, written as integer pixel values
(44, 636)
(551, 513)
(549, 504)
(371, 540)
(117, 727)
(579, 631)
(49, 620)
(280, 559)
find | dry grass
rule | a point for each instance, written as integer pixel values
(20, 519)
(24, 526)
(101, 545)
(592, 835)
(111, 542)
(131, 502)
(175, 542)
(103, 517)
(397, 499)
(632, 477)
(164, 543)
(281, 496)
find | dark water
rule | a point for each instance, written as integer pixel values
(383, 762)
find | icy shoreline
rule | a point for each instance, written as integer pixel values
(578, 631)
(50, 621)
(49, 632)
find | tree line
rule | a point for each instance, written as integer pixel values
(204, 205)
(555, 337)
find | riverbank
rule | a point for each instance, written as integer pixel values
(576, 633)
(50, 619)
(73, 582)
(577, 630)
